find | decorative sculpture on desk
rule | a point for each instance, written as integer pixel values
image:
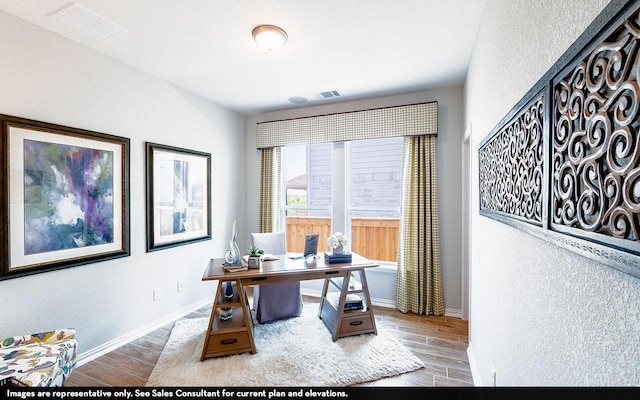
(228, 290)
(232, 256)
(226, 313)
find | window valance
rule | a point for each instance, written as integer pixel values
(407, 120)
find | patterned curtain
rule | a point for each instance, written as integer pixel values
(410, 120)
(419, 280)
(270, 181)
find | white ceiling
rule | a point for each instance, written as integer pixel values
(362, 48)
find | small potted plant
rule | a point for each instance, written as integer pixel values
(255, 257)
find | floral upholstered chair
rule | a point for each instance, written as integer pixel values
(40, 359)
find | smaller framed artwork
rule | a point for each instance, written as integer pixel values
(178, 196)
(65, 197)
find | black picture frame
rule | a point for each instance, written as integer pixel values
(65, 197)
(178, 195)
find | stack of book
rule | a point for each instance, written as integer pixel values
(351, 302)
(234, 267)
(337, 258)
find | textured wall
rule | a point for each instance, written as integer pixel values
(540, 315)
(48, 78)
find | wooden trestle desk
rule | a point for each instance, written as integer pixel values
(235, 335)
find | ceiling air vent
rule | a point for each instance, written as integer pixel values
(78, 17)
(329, 94)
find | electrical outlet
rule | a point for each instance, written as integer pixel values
(157, 293)
(180, 286)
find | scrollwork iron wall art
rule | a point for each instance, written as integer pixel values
(564, 164)
(511, 167)
(596, 152)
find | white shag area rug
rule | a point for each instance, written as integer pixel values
(294, 352)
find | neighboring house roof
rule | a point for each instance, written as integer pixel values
(299, 182)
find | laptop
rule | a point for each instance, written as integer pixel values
(310, 247)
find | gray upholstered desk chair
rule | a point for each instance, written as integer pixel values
(276, 300)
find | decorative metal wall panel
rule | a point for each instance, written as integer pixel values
(564, 164)
(511, 166)
(596, 148)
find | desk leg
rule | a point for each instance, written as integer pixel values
(246, 313)
(341, 313)
(233, 336)
(352, 322)
(212, 317)
(325, 290)
(367, 298)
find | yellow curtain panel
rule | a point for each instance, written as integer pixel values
(419, 278)
(270, 177)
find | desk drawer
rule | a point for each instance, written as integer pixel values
(360, 322)
(228, 342)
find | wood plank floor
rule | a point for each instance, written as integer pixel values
(440, 342)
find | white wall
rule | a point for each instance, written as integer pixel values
(450, 131)
(48, 78)
(540, 315)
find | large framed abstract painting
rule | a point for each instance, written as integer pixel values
(564, 163)
(65, 199)
(178, 196)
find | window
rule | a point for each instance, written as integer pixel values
(352, 187)
(374, 188)
(308, 188)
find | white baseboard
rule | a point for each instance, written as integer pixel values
(453, 312)
(380, 302)
(376, 302)
(475, 373)
(111, 345)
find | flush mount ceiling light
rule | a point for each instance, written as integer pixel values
(269, 37)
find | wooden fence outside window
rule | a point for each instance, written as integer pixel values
(376, 239)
